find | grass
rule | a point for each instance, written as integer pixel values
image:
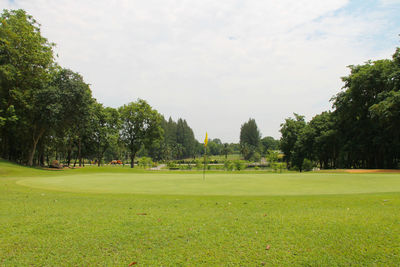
(102, 223)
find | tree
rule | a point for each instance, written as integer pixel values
(46, 113)
(25, 60)
(226, 150)
(325, 140)
(290, 131)
(185, 138)
(141, 126)
(77, 104)
(269, 143)
(104, 126)
(249, 138)
(364, 142)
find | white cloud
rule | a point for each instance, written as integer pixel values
(215, 63)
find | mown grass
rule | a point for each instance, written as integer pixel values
(40, 227)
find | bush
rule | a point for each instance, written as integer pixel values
(171, 165)
(145, 162)
(307, 165)
(228, 165)
(55, 164)
(239, 165)
(256, 157)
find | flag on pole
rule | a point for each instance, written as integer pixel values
(206, 140)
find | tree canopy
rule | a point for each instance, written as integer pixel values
(362, 130)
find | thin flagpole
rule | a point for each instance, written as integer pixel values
(204, 169)
(205, 155)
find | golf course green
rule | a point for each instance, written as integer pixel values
(115, 216)
(229, 184)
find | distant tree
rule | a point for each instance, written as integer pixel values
(324, 140)
(269, 143)
(215, 147)
(226, 150)
(185, 139)
(141, 126)
(249, 138)
(290, 131)
(105, 126)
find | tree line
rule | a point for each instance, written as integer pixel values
(48, 112)
(362, 129)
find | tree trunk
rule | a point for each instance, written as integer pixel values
(69, 156)
(133, 160)
(76, 160)
(79, 152)
(35, 141)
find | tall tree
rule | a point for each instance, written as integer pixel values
(141, 126)
(290, 131)
(185, 138)
(77, 101)
(249, 138)
(364, 144)
(25, 60)
(105, 126)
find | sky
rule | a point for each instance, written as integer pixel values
(218, 63)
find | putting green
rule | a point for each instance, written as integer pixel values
(219, 184)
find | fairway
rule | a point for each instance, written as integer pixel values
(229, 184)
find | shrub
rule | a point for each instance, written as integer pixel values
(307, 165)
(145, 162)
(239, 165)
(228, 165)
(55, 164)
(256, 157)
(171, 165)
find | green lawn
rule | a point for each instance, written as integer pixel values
(95, 216)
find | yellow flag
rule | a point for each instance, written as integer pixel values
(206, 140)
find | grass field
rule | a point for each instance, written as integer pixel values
(114, 216)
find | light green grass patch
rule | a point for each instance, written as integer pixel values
(186, 183)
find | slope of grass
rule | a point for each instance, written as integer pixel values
(49, 228)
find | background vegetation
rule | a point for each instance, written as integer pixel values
(48, 115)
(362, 130)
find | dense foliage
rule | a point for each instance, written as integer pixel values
(363, 129)
(48, 112)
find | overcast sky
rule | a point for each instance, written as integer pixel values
(217, 63)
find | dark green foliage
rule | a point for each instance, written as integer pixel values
(307, 165)
(140, 126)
(48, 113)
(364, 114)
(290, 131)
(178, 141)
(249, 138)
(363, 129)
(269, 143)
(25, 62)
